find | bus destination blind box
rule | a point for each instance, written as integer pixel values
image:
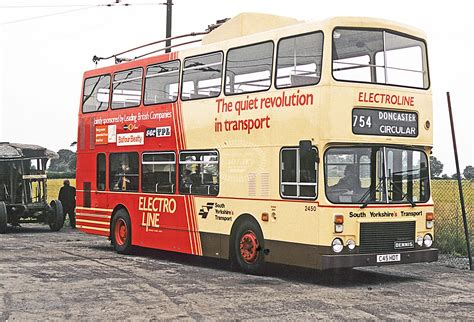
(370, 121)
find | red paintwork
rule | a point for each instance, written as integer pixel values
(177, 231)
(120, 232)
(249, 247)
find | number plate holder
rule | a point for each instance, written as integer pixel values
(386, 258)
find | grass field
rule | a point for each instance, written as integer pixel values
(449, 227)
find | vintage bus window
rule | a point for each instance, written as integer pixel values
(161, 83)
(202, 76)
(127, 88)
(343, 177)
(96, 94)
(101, 171)
(199, 173)
(298, 174)
(376, 175)
(249, 68)
(159, 172)
(404, 61)
(123, 171)
(299, 60)
(378, 56)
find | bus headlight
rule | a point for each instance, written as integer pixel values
(351, 244)
(337, 245)
(428, 240)
(419, 241)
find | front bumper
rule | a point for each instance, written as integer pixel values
(358, 260)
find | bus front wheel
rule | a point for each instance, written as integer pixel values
(122, 232)
(247, 248)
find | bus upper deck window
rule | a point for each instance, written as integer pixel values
(299, 60)
(202, 76)
(96, 94)
(379, 56)
(127, 88)
(161, 83)
(249, 68)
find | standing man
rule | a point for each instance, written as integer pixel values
(67, 196)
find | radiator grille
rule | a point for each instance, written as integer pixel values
(381, 237)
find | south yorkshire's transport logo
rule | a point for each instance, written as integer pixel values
(205, 210)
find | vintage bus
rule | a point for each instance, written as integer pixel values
(276, 140)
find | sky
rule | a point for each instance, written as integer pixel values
(42, 60)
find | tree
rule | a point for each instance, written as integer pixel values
(65, 165)
(468, 172)
(436, 166)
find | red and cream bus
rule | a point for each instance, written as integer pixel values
(276, 140)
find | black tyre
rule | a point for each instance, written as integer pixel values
(121, 232)
(247, 248)
(56, 215)
(3, 218)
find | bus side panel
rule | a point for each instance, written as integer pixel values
(161, 221)
(286, 240)
(92, 213)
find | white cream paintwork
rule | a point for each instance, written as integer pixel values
(327, 121)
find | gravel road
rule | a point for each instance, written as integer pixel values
(71, 275)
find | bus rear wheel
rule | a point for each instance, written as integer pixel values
(3, 218)
(247, 248)
(122, 232)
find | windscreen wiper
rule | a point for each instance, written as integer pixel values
(404, 196)
(369, 193)
(409, 199)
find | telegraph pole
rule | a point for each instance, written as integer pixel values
(461, 194)
(169, 6)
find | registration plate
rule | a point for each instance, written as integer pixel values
(388, 258)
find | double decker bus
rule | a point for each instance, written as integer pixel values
(276, 140)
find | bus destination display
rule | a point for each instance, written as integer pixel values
(384, 122)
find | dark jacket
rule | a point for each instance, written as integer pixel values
(67, 196)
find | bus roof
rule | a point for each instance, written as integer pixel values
(250, 24)
(247, 23)
(10, 151)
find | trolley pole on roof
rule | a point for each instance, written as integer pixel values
(169, 6)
